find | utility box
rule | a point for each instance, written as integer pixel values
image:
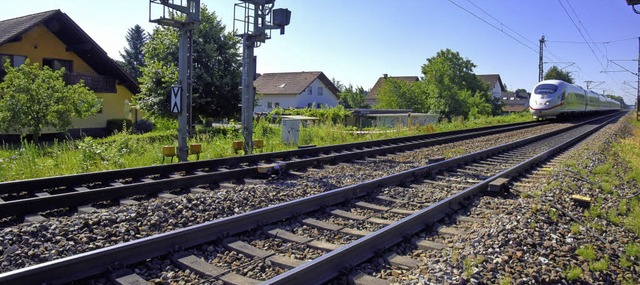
(290, 131)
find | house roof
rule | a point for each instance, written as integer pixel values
(492, 79)
(371, 96)
(75, 39)
(291, 83)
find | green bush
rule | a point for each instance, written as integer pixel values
(118, 125)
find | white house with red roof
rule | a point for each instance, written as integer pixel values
(294, 90)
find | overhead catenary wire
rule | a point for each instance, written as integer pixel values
(494, 26)
(581, 34)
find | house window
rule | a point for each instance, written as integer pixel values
(319, 106)
(310, 105)
(310, 90)
(269, 105)
(57, 64)
(14, 61)
(277, 105)
(320, 91)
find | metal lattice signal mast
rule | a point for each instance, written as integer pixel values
(185, 16)
(540, 60)
(258, 19)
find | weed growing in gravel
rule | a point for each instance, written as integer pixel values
(599, 265)
(595, 211)
(454, 152)
(505, 281)
(632, 249)
(587, 252)
(467, 267)
(625, 262)
(575, 228)
(553, 213)
(573, 273)
(455, 256)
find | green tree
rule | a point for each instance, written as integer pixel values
(33, 99)
(216, 70)
(400, 94)
(556, 73)
(133, 56)
(453, 88)
(351, 97)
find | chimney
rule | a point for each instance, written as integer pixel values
(385, 75)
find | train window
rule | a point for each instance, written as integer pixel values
(545, 89)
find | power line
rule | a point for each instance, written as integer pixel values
(494, 26)
(581, 34)
(602, 43)
(502, 24)
(583, 27)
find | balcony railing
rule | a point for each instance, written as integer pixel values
(97, 83)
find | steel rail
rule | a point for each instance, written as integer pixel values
(21, 207)
(95, 262)
(74, 180)
(326, 267)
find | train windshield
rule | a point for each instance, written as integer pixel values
(545, 89)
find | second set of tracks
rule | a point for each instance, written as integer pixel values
(336, 230)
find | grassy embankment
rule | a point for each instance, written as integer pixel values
(125, 150)
(617, 176)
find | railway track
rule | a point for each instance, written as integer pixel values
(331, 231)
(25, 200)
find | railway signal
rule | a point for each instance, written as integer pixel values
(185, 16)
(257, 19)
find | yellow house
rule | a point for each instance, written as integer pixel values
(52, 39)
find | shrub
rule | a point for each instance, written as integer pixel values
(118, 125)
(143, 126)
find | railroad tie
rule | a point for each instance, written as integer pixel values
(450, 231)
(348, 215)
(288, 236)
(430, 245)
(402, 261)
(278, 260)
(380, 221)
(355, 232)
(372, 207)
(249, 250)
(128, 202)
(127, 277)
(284, 262)
(402, 212)
(166, 195)
(86, 209)
(321, 245)
(197, 265)
(237, 279)
(196, 190)
(34, 218)
(364, 279)
(321, 225)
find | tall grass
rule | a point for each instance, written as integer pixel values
(27, 160)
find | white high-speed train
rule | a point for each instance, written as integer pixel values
(554, 98)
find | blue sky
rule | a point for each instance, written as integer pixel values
(356, 41)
